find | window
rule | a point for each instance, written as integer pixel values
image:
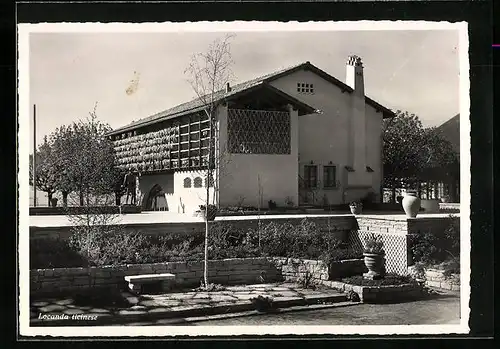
(305, 88)
(187, 182)
(330, 176)
(310, 176)
(198, 182)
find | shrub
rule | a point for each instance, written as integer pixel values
(374, 244)
(53, 253)
(429, 249)
(336, 255)
(111, 245)
(304, 240)
(262, 304)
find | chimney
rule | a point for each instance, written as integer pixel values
(228, 88)
(354, 75)
(357, 123)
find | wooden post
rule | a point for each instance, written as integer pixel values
(34, 155)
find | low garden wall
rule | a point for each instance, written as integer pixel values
(61, 211)
(293, 269)
(438, 278)
(189, 274)
(379, 294)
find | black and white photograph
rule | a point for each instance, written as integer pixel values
(230, 178)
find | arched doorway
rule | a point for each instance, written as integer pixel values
(156, 200)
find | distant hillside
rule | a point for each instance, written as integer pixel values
(451, 131)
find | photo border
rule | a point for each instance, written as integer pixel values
(475, 13)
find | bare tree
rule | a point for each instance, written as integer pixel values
(208, 74)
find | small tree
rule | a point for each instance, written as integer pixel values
(208, 73)
(45, 176)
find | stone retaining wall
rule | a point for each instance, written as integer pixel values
(436, 278)
(379, 294)
(190, 274)
(187, 274)
(294, 269)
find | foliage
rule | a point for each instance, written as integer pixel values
(389, 280)
(374, 244)
(45, 176)
(341, 254)
(411, 152)
(98, 245)
(304, 240)
(429, 249)
(83, 159)
(262, 304)
(272, 205)
(53, 253)
(352, 296)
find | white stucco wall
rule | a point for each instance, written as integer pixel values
(325, 137)
(178, 199)
(241, 174)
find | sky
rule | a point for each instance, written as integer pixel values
(133, 75)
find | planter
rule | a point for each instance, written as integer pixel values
(209, 214)
(355, 209)
(430, 205)
(411, 204)
(374, 262)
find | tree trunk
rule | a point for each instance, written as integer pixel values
(49, 198)
(207, 201)
(82, 203)
(393, 196)
(65, 199)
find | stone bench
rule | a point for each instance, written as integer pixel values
(135, 282)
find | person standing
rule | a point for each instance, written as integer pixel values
(129, 182)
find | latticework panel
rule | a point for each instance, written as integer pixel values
(258, 131)
(395, 247)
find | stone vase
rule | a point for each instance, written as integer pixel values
(375, 264)
(411, 204)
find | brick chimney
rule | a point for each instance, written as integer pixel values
(228, 88)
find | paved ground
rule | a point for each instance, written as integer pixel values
(443, 309)
(171, 217)
(232, 298)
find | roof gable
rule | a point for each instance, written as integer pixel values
(197, 104)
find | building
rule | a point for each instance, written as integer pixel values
(449, 186)
(296, 136)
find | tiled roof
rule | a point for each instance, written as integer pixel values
(197, 104)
